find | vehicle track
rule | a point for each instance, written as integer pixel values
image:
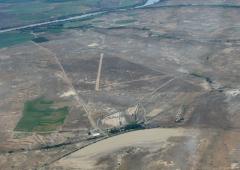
(79, 100)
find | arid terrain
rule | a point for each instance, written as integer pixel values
(136, 86)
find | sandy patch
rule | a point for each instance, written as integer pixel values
(205, 86)
(93, 45)
(68, 94)
(114, 120)
(86, 157)
(131, 110)
(233, 92)
(228, 50)
(4, 57)
(235, 166)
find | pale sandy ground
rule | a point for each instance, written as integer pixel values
(86, 157)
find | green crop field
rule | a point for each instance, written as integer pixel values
(39, 115)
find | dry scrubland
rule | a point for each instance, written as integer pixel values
(175, 55)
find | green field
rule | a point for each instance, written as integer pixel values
(24, 12)
(13, 38)
(39, 115)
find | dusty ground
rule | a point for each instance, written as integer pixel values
(166, 58)
(84, 158)
(159, 149)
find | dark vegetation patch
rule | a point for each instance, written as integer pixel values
(40, 115)
(40, 40)
(98, 21)
(77, 26)
(199, 75)
(128, 127)
(126, 27)
(125, 21)
(51, 28)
